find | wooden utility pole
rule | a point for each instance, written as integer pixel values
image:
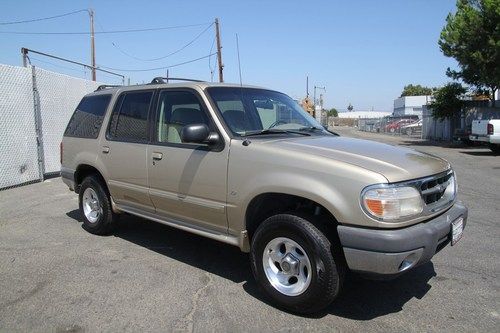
(219, 52)
(92, 44)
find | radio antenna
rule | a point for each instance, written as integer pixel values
(239, 63)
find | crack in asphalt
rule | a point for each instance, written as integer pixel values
(186, 324)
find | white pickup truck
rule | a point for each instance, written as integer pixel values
(487, 131)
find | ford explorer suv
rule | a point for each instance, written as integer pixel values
(248, 167)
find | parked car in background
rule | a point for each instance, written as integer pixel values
(413, 127)
(487, 131)
(396, 125)
(463, 135)
(249, 167)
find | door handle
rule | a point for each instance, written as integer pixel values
(157, 156)
(105, 149)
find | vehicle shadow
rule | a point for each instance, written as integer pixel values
(208, 255)
(479, 153)
(361, 299)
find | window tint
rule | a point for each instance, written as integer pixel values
(129, 121)
(176, 110)
(87, 118)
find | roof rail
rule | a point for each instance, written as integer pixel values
(106, 86)
(159, 80)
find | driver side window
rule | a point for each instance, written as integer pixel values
(176, 110)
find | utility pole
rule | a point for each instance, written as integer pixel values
(219, 50)
(317, 115)
(24, 52)
(92, 44)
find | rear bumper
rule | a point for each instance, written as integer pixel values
(68, 177)
(392, 252)
(481, 138)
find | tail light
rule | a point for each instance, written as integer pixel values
(61, 152)
(490, 129)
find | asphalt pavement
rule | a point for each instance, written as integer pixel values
(56, 277)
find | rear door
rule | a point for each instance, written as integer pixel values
(187, 181)
(124, 149)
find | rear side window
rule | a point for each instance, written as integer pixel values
(87, 118)
(129, 121)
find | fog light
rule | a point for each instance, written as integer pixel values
(408, 262)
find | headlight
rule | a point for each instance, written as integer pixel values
(392, 203)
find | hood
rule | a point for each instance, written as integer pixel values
(393, 162)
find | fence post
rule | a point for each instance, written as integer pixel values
(38, 125)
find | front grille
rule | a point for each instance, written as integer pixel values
(433, 189)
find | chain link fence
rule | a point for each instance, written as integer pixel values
(35, 106)
(410, 126)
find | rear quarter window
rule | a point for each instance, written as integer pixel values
(87, 119)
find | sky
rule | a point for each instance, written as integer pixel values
(362, 51)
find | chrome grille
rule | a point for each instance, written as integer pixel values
(433, 189)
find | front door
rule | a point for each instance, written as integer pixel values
(187, 182)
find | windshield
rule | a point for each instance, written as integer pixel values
(249, 111)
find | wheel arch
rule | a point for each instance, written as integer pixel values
(83, 170)
(265, 205)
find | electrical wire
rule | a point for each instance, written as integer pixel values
(162, 57)
(44, 18)
(102, 32)
(157, 68)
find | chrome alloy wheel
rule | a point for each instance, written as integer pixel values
(91, 206)
(287, 266)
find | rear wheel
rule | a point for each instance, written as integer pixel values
(294, 264)
(495, 148)
(95, 207)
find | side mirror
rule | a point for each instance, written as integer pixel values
(198, 133)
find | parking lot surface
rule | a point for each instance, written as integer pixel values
(54, 276)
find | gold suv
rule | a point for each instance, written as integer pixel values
(248, 167)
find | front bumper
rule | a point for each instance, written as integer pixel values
(392, 252)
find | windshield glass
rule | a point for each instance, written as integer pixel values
(249, 110)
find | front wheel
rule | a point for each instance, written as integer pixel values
(294, 264)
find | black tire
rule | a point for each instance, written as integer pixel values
(106, 221)
(495, 148)
(326, 266)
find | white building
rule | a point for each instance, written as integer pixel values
(410, 105)
(364, 114)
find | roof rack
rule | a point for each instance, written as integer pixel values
(159, 80)
(106, 86)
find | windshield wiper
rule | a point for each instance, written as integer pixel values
(311, 128)
(275, 131)
(315, 128)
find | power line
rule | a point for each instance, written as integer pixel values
(102, 32)
(44, 18)
(157, 68)
(165, 56)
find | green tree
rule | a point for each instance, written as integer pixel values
(416, 90)
(447, 101)
(332, 112)
(472, 37)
